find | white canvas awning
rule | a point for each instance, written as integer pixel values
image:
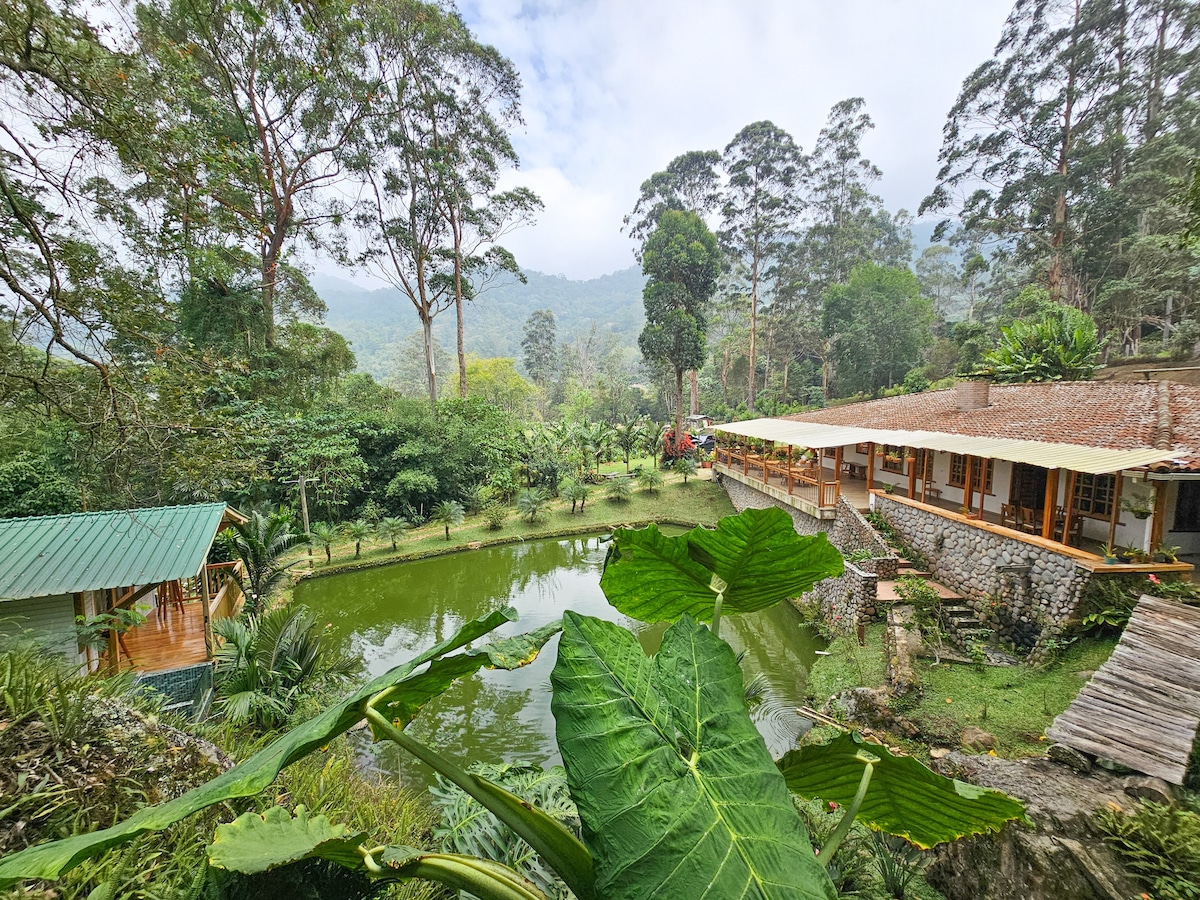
(1048, 455)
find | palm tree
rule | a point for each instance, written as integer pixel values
(530, 503)
(630, 436)
(447, 513)
(391, 529)
(620, 490)
(358, 532)
(266, 663)
(577, 492)
(324, 534)
(650, 478)
(258, 543)
(685, 466)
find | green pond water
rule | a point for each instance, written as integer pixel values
(387, 615)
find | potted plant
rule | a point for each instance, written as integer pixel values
(1169, 554)
(889, 488)
(1138, 504)
(1109, 553)
(704, 458)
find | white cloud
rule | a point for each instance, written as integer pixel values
(614, 89)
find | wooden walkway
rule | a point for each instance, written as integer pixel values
(1142, 708)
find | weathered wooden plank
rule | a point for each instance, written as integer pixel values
(1150, 691)
(1169, 771)
(1142, 708)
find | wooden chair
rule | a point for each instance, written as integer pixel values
(1008, 515)
(1027, 519)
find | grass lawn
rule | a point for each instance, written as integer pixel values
(1016, 704)
(699, 502)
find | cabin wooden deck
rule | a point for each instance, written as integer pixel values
(177, 640)
(1142, 708)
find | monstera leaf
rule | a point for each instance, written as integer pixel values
(254, 843)
(754, 559)
(904, 797)
(50, 860)
(677, 793)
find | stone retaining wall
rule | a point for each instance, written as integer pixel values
(1025, 592)
(745, 497)
(852, 532)
(848, 600)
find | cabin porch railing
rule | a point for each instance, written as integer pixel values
(799, 479)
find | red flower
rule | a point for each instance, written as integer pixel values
(1154, 578)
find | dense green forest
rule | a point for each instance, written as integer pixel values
(166, 167)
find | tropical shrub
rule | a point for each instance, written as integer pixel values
(358, 532)
(685, 466)
(1061, 344)
(577, 492)
(1160, 844)
(324, 534)
(619, 490)
(650, 479)
(494, 514)
(258, 543)
(266, 663)
(391, 530)
(448, 513)
(531, 503)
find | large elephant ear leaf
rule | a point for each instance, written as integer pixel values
(755, 559)
(676, 790)
(904, 798)
(254, 843)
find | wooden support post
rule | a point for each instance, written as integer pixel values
(969, 486)
(820, 476)
(204, 600)
(1069, 505)
(870, 465)
(789, 468)
(912, 479)
(1116, 510)
(925, 456)
(837, 463)
(1050, 502)
(1160, 513)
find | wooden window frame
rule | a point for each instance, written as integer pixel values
(959, 479)
(1095, 505)
(896, 468)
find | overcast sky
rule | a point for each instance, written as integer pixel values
(615, 89)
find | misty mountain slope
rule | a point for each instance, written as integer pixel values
(377, 322)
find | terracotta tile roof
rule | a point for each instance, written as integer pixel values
(1113, 415)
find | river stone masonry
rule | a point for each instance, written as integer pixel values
(1026, 593)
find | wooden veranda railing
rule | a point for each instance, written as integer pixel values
(800, 478)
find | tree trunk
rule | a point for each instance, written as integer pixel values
(751, 395)
(678, 413)
(430, 365)
(1057, 241)
(694, 385)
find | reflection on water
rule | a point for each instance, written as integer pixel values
(387, 615)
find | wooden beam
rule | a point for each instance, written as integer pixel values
(1160, 513)
(204, 601)
(912, 478)
(969, 487)
(1050, 504)
(1069, 504)
(1116, 510)
(870, 464)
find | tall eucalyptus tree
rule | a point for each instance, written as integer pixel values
(762, 202)
(429, 164)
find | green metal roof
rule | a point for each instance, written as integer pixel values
(47, 555)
